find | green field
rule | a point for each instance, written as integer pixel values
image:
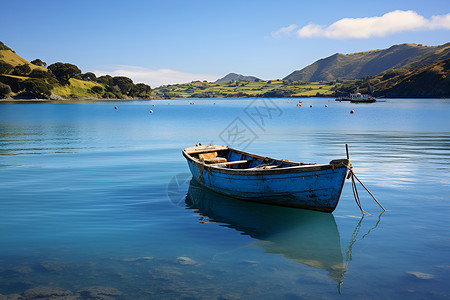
(76, 89)
(243, 89)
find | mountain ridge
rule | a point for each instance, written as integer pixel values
(370, 63)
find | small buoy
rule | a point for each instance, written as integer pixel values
(214, 102)
(115, 107)
(154, 105)
(310, 106)
(352, 111)
(168, 103)
(300, 102)
(151, 111)
(326, 105)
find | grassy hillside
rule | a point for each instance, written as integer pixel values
(429, 81)
(21, 79)
(8, 56)
(370, 63)
(77, 89)
(271, 88)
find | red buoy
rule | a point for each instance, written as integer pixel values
(352, 111)
(310, 106)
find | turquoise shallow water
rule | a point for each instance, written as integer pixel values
(97, 197)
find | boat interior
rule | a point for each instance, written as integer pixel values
(224, 157)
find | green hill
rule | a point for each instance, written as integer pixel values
(370, 63)
(235, 77)
(22, 79)
(428, 81)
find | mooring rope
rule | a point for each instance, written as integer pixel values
(355, 191)
(356, 195)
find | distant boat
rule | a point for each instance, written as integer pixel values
(261, 179)
(359, 98)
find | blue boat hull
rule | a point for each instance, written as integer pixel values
(316, 187)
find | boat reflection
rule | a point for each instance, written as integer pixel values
(308, 237)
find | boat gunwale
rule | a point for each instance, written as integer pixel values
(302, 168)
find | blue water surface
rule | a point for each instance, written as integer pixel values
(94, 198)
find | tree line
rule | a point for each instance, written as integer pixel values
(38, 83)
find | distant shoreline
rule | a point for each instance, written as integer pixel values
(74, 99)
(24, 100)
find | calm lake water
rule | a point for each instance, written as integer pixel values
(97, 202)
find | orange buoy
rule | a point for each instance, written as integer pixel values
(115, 107)
(352, 111)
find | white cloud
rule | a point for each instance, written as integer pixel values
(359, 28)
(154, 78)
(440, 22)
(284, 31)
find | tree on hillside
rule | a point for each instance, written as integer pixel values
(64, 71)
(141, 90)
(113, 91)
(37, 87)
(125, 84)
(97, 89)
(36, 73)
(38, 62)
(106, 80)
(22, 70)
(89, 76)
(5, 90)
(5, 68)
(3, 47)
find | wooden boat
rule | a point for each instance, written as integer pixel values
(261, 179)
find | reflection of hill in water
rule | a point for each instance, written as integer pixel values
(308, 237)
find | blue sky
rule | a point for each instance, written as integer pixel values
(161, 42)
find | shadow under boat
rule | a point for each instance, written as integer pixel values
(307, 237)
